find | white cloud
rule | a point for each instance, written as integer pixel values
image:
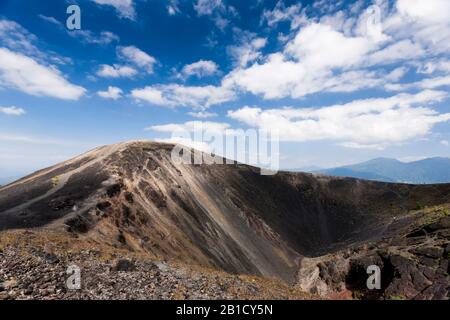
(25, 74)
(172, 7)
(402, 50)
(217, 10)
(202, 114)
(86, 36)
(187, 133)
(425, 22)
(281, 13)
(432, 66)
(15, 37)
(273, 79)
(137, 57)
(370, 123)
(445, 143)
(197, 145)
(125, 8)
(12, 111)
(427, 83)
(318, 59)
(192, 126)
(104, 38)
(248, 48)
(208, 7)
(113, 93)
(174, 95)
(116, 71)
(318, 46)
(201, 68)
(51, 20)
(152, 95)
(349, 51)
(435, 11)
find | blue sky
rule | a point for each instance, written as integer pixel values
(343, 81)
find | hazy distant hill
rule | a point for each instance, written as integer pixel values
(431, 170)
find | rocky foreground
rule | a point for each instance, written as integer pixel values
(33, 265)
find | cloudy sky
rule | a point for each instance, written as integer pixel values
(342, 81)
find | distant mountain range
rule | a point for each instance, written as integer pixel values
(430, 170)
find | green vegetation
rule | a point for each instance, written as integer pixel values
(397, 297)
(419, 206)
(55, 181)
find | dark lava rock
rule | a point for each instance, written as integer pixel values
(103, 205)
(61, 204)
(51, 258)
(124, 265)
(443, 223)
(114, 190)
(129, 197)
(430, 252)
(77, 224)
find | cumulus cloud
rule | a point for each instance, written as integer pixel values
(124, 8)
(174, 95)
(12, 111)
(27, 75)
(113, 93)
(247, 49)
(348, 50)
(318, 59)
(137, 57)
(116, 71)
(151, 95)
(200, 69)
(371, 123)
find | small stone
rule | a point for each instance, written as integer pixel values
(10, 284)
(51, 258)
(28, 291)
(4, 296)
(162, 266)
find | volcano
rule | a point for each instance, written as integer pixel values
(315, 233)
